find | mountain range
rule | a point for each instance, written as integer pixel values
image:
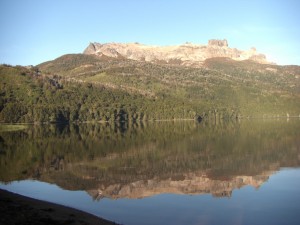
(136, 82)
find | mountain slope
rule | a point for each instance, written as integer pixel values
(30, 96)
(246, 87)
(82, 87)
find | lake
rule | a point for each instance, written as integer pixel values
(181, 172)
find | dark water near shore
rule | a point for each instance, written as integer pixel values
(242, 172)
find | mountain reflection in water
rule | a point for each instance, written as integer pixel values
(145, 159)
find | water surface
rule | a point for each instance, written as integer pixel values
(161, 173)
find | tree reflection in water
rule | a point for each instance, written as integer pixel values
(143, 159)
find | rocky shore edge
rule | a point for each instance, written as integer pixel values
(18, 209)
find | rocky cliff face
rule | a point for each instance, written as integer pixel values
(187, 54)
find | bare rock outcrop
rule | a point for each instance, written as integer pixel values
(187, 54)
(220, 43)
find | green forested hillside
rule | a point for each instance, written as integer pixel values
(90, 88)
(29, 96)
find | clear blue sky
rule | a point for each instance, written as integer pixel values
(34, 31)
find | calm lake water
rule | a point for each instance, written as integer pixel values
(244, 172)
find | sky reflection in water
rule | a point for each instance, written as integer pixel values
(275, 202)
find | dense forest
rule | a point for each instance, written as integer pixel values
(80, 88)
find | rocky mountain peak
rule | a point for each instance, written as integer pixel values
(187, 54)
(90, 49)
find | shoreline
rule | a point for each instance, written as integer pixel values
(18, 209)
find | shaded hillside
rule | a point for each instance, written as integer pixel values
(82, 87)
